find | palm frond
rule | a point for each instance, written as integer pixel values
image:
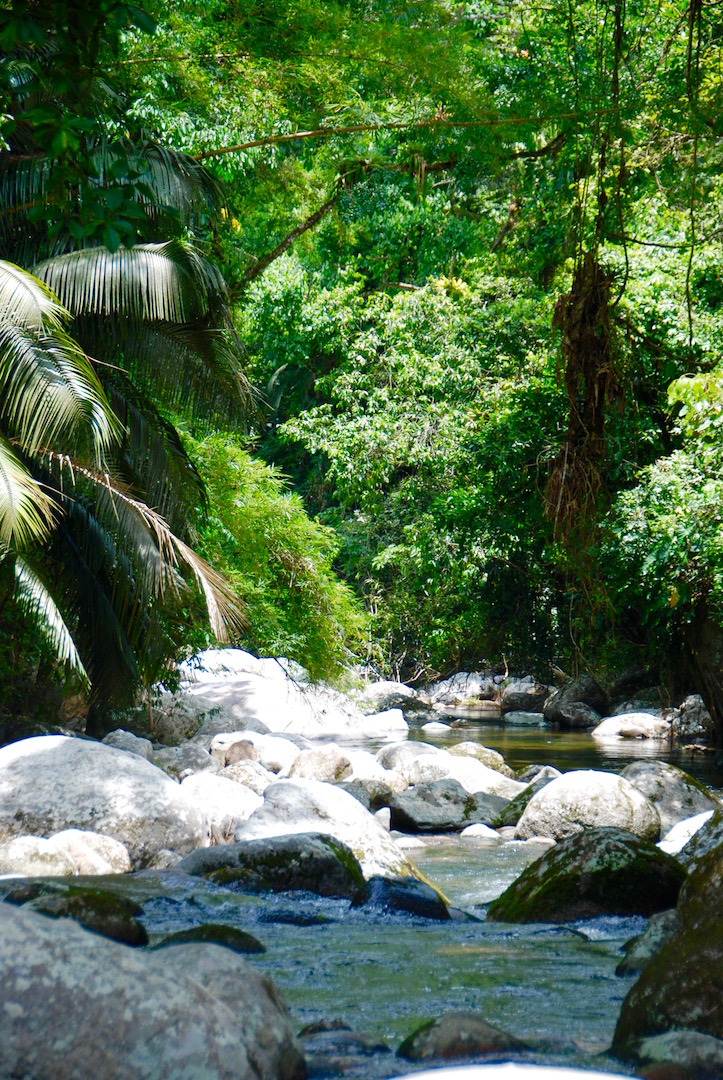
(191, 369)
(169, 282)
(153, 458)
(48, 387)
(136, 526)
(27, 301)
(33, 597)
(27, 515)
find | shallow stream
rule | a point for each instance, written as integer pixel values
(553, 987)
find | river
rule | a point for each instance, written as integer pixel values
(554, 987)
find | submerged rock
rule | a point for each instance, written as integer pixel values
(53, 782)
(77, 1005)
(215, 934)
(405, 894)
(587, 799)
(96, 909)
(312, 862)
(597, 872)
(675, 794)
(456, 1036)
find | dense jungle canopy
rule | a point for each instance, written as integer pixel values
(360, 332)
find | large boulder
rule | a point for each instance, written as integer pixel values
(271, 751)
(464, 688)
(311, 862)
(327, 763)
(632, 725)
(598, 872)
(580, 691)
(223, 802)
(263, 691)
(679, 836)
(302, 806)
(692, 722)
(183, 761)
(126, 740)
(94, 908)
(675, 794)
(420, 763)
(678, 1055)
(379, 696)
(251, 774)
(79, 1006)
(527, 695)
(681, 987)
(53, 782)
(442, 806)
(586, 799)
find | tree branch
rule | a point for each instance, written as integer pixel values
(260, 265)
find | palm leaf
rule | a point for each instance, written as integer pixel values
(191, 369)
(152, 455)
(169, 282)
(33, 597)
(26, 513)
(48, 388)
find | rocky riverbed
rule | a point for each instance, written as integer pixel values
(249, 837)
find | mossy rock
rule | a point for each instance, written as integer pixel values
(216, 934)
(96, 909)
(308, 862)
(514, 810)
(408, 895)
(597, 872)
(681, 987)
(457, 1036)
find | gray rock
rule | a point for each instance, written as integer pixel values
(378, 696)
(705, 840)
(524, 696)
(456, 1036)
(272, 752)
(311, 862)
(405, 894)
(126, 740)
(676, 839)
(327, 763)
(442, 806)
(597, 872)
(251, 774)
(681, 985)
(524, 719)
(465, 687)
(52, 782)
(300, 806)
(692, 722)
(639, 950)
(77, 1005)
(182, 761)
(92, 852)
(372, 793)
(675, 794)
(586, 799)
(420, 763)
(511, 814)
(224, 803)
(701, 1056)
(28, 856)
(575, 715)
(580, 691)
(526, 776)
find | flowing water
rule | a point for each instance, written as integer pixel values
(553, 987)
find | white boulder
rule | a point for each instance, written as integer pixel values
(299, 806)
(632, 725)
(53, 782)
(224, 803)
(586, 799)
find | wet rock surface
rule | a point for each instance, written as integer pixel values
(440, 806)
(598, 872)
(455, 1037)
(310, 862)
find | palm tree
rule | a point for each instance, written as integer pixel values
(97, 495)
